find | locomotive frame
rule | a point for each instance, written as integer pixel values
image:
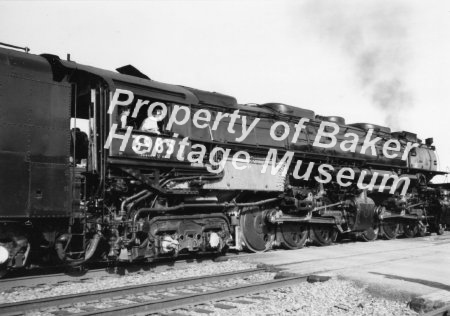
(71, 196)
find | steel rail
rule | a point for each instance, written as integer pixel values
(166, 303)
(194, 299)
(106, 271)
(173, 303)
(49, 279)
(33, 280)
(24, 306)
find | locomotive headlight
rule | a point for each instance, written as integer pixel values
(4, 254)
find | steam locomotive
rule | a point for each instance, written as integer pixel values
(80, 179)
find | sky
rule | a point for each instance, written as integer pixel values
(376, 61)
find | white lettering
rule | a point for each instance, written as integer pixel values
(285, 162)
(386, 148)
(298, 128)
(163, 107)
(369, 143)
(408, 148)
(138, 106)
(141, 144)
(233, 118)
(221, 163)
(370, 186)
(115, 99)
(173, 117)
(324, 173)
(307, 173)
(219, 116)
(285, 131)
(201, 154)
(184, 142)
(112, 134)
(197, 118)
(321, 133)
(353, 143)
(236, 159)
(245, 131)
(340, 175)
(396, 182)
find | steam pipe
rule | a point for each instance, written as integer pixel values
(127, 200)
(61, 252)
(414, 205)
(205, 177)
(148, 194)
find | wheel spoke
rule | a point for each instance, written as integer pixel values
(324, 235)
(389, 230)
(293, 235)
(370, 234)
(256, 232)
(410, 230)
(441, 229)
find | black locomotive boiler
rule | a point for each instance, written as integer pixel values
(89, 171)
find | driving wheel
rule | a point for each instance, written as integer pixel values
(389, 230)
(410, 230)
(256, 232)
(293, 235)
(421, 230)
(371, 233)
(324, 235)
(440, 229)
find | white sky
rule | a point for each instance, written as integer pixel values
(326, 55)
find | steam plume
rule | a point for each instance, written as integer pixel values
(373, 34)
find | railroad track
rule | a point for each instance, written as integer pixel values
(114, 271)
(53, 278)
(223, 290)
(34, 279)
(82, 276)
(155, 297)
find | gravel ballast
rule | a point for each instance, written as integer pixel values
(334, 297)
(95, 284)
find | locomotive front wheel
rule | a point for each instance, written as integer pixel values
(410, 230)
(293, 235)
(440, 229)
(373, 232)
(389, 230)
(421, 230)
(256, 232)
(324, 235)
(370, 234)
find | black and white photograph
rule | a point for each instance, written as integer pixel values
(224, 157)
